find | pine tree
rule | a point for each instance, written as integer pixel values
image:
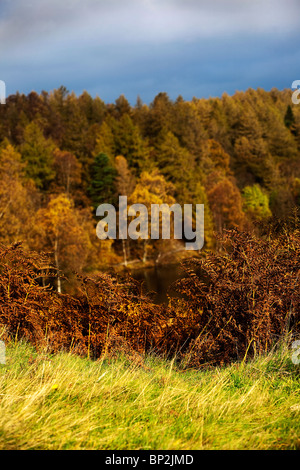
(105, 142)
(160, 116)
(131, 145)
(102, 180)
(176, 163)
(37, 152)
(289, 118)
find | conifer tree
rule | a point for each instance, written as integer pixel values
(131, 145)
(105, 142)
(37, 152)
(102, 180)
(289, 118)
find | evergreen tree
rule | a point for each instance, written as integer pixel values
(122, 106)
(105, 142)
(289, 118)
(131, 145)
(160, 116)
(176, 163)
(102, 180)
(37, 152)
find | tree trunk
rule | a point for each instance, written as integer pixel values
(124, 252)
(57, 265)
(145, 251)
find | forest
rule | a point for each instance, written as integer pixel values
(62, 155)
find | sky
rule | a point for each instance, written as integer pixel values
(192, 48)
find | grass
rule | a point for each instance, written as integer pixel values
(66, 402)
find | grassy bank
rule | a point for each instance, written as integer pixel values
(67, 402)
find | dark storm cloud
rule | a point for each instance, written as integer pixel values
(143, 46)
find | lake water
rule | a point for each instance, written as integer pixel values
(158, 280)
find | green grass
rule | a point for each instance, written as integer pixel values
(66, 402)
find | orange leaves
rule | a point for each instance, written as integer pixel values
(68, 169)
(58, 228)
(16, 196)
(226, 204)
(250, 290)
(233, 302)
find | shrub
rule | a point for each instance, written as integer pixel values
(103, 307)
(234, 303)
(245, 296)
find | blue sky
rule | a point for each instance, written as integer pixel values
(143, 47)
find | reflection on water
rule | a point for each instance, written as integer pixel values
(159, 280)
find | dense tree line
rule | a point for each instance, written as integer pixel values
(62, 155)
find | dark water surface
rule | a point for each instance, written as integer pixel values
(158, 280)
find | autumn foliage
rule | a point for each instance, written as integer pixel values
(62, 155)
(235, 302)
(103, 310)
(246, 297)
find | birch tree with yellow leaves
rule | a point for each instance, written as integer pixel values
(60, 230)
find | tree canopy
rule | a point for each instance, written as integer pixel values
(238, 155)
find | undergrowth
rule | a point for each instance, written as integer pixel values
(234, 304)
